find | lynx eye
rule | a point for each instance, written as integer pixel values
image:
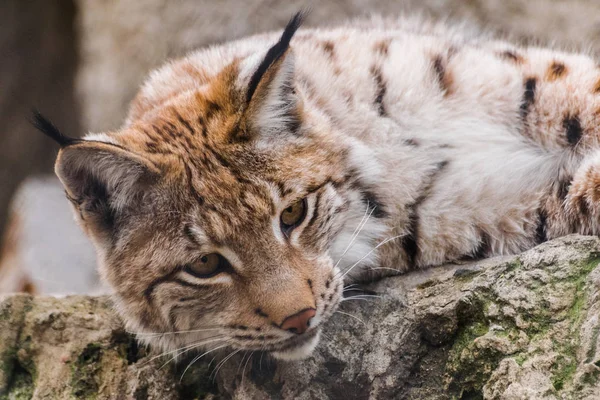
(293, 216)
(207, 266)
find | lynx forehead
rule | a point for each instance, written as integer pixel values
(251, 179)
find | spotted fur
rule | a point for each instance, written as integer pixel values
(448, 144)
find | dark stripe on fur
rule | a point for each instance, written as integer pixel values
(440, 72)
(376, 207)
(315, 215)
(168, 277)
(511, 56)
(261, 313)
(380, 90)
(192, 188)
(541, 233)
(528, 96)
(410, 242)
(382, 47)
(181, 282)
(562, 189)
(483, 248)
(556, 70)
(573, 129)
(187, 231)
(584, 210)
(329, 47)
(185, 123)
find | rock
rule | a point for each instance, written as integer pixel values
(523, 327)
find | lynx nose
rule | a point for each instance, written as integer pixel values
(299, 322)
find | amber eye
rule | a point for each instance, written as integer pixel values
(293, 216)
(208, 265)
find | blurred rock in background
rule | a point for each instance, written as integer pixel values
(120, 41)
(81, 62)
(39, 257)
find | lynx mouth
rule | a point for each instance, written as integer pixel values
(299, 347)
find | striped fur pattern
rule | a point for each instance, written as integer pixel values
(444, 142)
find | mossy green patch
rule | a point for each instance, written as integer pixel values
(563, 371)
(466, 274)
(126, 346)
(565, 366)
(24, 356)
(427, 284)
(469, 366)
(513, 265)
(520, 359)
(591, 378)
(85, 370)
(21, 386)
(7, 362)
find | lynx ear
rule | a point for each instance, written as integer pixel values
(103, 181)
(270, 105)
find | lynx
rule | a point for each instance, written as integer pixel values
(252, 179)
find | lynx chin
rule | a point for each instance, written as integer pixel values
(251, 179)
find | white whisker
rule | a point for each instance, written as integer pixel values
(351, 316)
(152, 334)
(357, 231)
(260, 362)
(369, 253)
(349, 287)
(182, 350)
(244, 370)
(352, 298)
(241, 361)
(199, 357)
(219, 365)
(389, 269)
(363, 295)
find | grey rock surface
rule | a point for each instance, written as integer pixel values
(523, 327)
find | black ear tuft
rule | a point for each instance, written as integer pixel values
(47, 128)
(275, 52)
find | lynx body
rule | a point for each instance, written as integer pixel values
(251, 179)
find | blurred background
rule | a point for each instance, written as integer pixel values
(81, 61)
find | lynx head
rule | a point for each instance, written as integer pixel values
(215, 208)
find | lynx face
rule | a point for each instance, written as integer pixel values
(215, 209)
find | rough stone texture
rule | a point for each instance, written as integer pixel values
(122, 40)
(522, 327)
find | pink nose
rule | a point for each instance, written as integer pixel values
(299, 322)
